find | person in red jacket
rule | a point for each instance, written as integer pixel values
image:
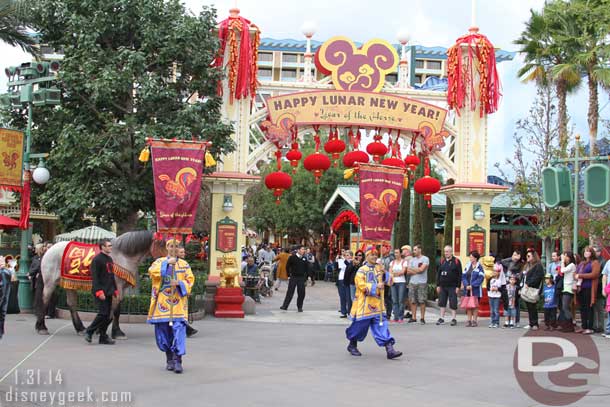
(104, 288)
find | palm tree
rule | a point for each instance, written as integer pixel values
(548, 59)
(592, 18)
(12, 27)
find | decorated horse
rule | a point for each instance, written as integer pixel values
(63, 265)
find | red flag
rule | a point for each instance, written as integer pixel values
(380, 193)
(177, 170)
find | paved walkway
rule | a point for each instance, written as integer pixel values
(301, 361)
(321, 307)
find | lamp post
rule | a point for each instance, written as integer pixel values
(403, 70)
(22, 80)
(308, 29)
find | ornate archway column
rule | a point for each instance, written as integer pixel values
(471, 190)
(228, 186)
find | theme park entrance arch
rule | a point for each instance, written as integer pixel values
(354, 95)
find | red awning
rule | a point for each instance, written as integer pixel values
(8, 223)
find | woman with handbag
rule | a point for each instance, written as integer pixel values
(472, 279)
(530, 293)
(588, 279)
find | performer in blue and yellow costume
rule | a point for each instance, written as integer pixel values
(172, 280)
(368, 310)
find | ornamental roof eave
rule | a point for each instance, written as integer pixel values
(292, 45)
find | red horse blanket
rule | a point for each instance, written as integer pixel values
(76, 267)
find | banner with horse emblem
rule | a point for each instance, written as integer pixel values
(76, 267)
(380, 193)
(11, 156)
(177, 171)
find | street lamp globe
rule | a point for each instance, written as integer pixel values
(41, 175)
(403, 36)
(308, 28)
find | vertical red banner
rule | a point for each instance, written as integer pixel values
(177, 171)
(380, 192)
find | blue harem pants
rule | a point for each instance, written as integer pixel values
(358, 329)
(171, 338)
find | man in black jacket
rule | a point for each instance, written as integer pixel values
(104, 288)
(448, 280)
(297, 267)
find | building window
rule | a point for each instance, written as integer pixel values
(392, 78)
(289, 58)
(418, 78)
(265, 73)
(289, 74)
(419, 64)
(265, 57)
(434, 65)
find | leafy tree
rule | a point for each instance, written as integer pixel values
(13, 29)
(131, 69)
(536, 143)
(448, 233)
(592, 20)
(417, 210)
(548, 47)
(402, 231)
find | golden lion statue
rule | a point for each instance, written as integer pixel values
(229, 275)
(488, 265)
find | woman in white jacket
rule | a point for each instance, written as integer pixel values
(568, 269)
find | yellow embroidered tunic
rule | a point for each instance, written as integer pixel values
(369, 283)
(163, 295)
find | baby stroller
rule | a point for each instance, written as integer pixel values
(265, 282)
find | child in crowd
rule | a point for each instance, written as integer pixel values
(511, 292)
(550, 304)
(495, 296)
(328, 275)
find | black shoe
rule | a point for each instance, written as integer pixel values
(118, 334)
(300, 310)
(178, 364)
(391, 352)
(106, 340)
(440, 321)
(343, 316)
(411, 320)
(88, 336)
(453, 322)
(422, 321)
(352, 348)
(169, 360)
(284, 308)
(190, 331)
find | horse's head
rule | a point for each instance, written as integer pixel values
(132, 247)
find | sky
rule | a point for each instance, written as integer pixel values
(430, 23)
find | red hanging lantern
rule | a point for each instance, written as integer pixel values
(377, 149)
(412, 161)
(317, 162)
(334, 146)
(294, 156)
(278, 182)
(427, 185)
(394, 162)
(354, 157)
